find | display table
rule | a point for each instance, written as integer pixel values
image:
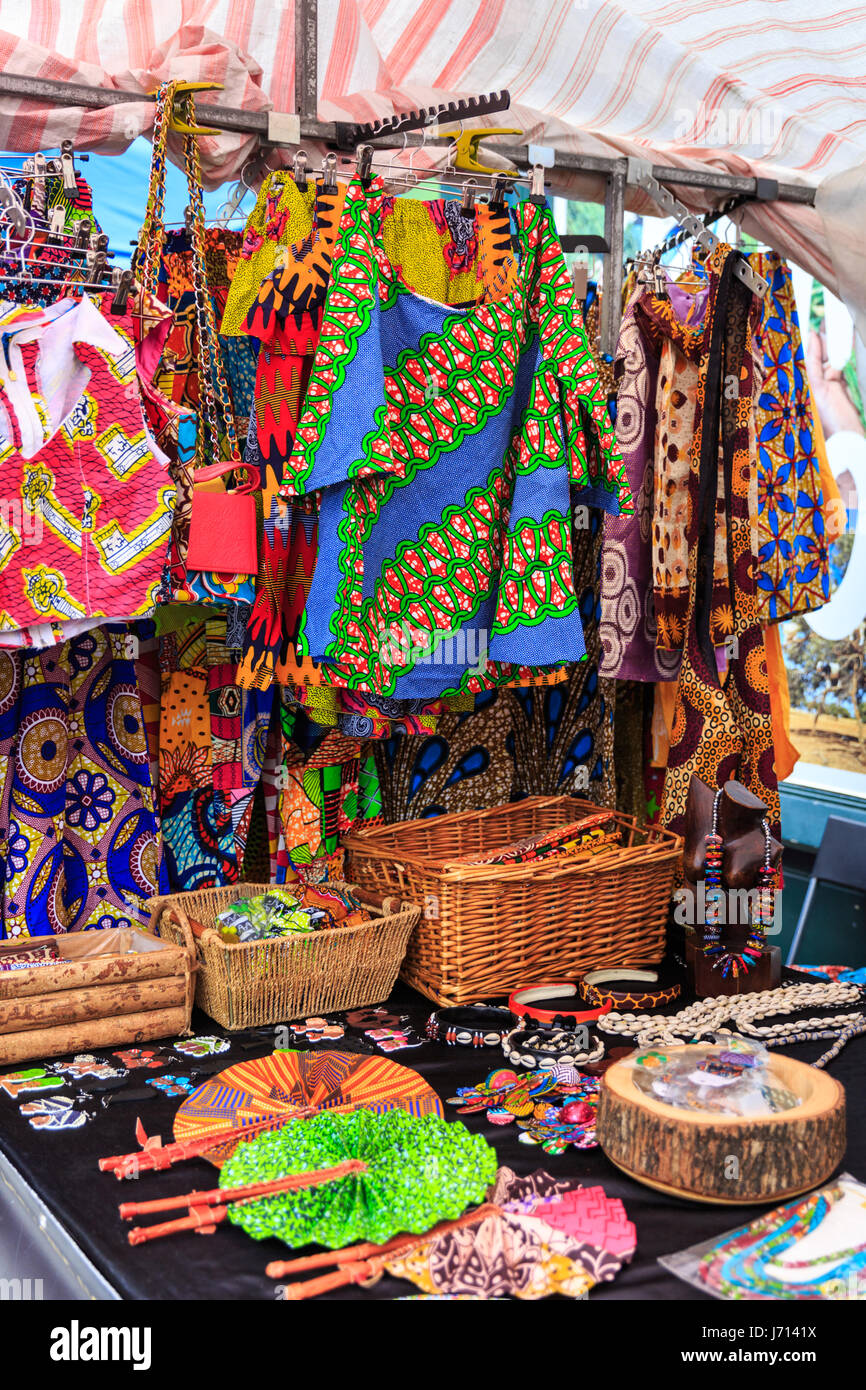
(50, 1183)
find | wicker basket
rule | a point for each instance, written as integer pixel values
(487, 929)
(247, 984)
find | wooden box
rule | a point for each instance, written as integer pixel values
(110, 988)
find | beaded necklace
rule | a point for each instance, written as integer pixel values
(736, 962)
(747, 1265)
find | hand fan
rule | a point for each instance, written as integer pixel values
(251, 1097)
(335, 1178)
(494, 1252)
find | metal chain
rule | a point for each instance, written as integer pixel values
(152, 235)
(212, 371)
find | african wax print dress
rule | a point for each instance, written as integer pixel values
(793, 553)
(722, 724)
(443, 443)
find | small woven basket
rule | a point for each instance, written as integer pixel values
(488, 928)
(253, 983)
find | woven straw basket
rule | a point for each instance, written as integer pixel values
(249, 984)
(488, 928)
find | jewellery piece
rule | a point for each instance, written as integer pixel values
(392, 1039)
(149, 1057)
(207, 1046)
(85, 1064)
(374, 1018)
(398, 1041)
(477, 1025)
(543, 1047)
(736, 962)
(172, 1085)
(743, 1010)
(600, 988)
(554, 1106)
(525, 1003)
(15, 1083)
(54, 1113)
(315, 1029)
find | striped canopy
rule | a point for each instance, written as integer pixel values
(766, 87)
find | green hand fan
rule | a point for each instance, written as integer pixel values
(419, 1170)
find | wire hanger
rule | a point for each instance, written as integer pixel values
(640, 173)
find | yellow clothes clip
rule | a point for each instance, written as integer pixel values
(182, 89)
(466, 148)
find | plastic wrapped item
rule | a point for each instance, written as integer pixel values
(275, 913)
(731, 1076)
(811, 1248)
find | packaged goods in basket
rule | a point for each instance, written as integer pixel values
(348, 960)
(288, 911)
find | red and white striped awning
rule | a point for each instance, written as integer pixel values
(773, 88)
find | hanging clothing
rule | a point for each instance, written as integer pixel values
(722, 722)
(684, 305)
(513, 743)
(562, 737)
(628, 619)
(467, 765)
(470, 551)
(178, 376)
(81, 845)
(329, 788)
(286, 318)
(212, 747)
(79, 461)
(793, 556)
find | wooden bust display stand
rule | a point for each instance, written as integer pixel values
(739, 824)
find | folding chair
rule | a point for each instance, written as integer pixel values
(841, 859)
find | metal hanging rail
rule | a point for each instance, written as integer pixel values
(290, 129)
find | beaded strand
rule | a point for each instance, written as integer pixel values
(735, 962)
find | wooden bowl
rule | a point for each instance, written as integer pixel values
(727, 1159)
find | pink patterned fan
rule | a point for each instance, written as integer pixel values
(535, 1236)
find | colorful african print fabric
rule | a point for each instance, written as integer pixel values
(722, 721)
(328, 787)
(514, 743)
(213, 741)
(179, 371)
(562, 736)
(793, 562)
(286, 318)
(674, 324)
(628, 619)
(443, 445)
(80, 845)
(94, 503)
(282, 210)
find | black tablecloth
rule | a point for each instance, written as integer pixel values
(62, 1168)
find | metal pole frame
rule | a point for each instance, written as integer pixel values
(614, 232)
(307, 59)
(49, 91)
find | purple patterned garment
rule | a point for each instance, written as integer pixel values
(628, 625)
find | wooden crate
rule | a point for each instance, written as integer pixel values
(110, 988)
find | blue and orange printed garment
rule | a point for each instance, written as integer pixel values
(793, 558)
(443, 444)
